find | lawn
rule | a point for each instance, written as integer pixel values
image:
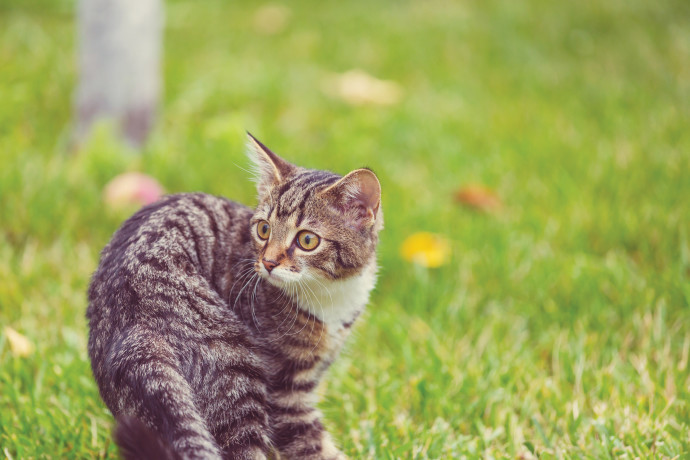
(559, 326)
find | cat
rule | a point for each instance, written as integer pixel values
(211, 324)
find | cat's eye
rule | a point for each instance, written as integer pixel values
(307, 240)
(263, 229)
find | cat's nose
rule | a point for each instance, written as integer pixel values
(269, 264)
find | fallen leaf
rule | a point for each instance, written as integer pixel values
(271, 19)
(426, 249)
(357, 87)
(478, 197)
(132, 188)
(20, 346)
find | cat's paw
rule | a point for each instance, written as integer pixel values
(338, 456)
(330, 452)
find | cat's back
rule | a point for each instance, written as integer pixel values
(164, 256)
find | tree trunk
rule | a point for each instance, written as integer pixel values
(119, 66)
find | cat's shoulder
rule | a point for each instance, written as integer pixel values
(181, 216)
(191, 208)
(194, 202)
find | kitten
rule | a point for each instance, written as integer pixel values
(211, 324)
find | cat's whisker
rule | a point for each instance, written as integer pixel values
(240, 279)
(313, 317)
(296, 310)
(288, 304)
(239, 293)
(325, 288)
(295, 294)
(243, 276)
(299, 284)
(253, 173)
(243, 272)
(322, 310)
(314, 323)
(258, 280)
(318, 342)
(239, 264)
(286, 331)
(282, 295)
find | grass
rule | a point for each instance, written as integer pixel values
(561, 326)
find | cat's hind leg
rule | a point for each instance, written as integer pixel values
(147, 384)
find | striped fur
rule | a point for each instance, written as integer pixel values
(193, 338)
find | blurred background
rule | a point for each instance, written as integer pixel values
(534, 291)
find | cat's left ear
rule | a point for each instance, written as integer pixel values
(270, 168)
(358, 196)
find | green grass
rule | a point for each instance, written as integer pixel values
(561, 325)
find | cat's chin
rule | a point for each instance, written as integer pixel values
(275, 281)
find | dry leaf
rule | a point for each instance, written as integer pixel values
(478, 197)
(132, 188)
(357, 87)
(426, 249)
(19, 345)
(271, 19)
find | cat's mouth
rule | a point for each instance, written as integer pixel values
(279, 277)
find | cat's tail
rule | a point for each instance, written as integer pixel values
(137, 442)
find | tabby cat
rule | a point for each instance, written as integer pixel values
(211, 324)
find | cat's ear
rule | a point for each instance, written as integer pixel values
(270, 169)
(357, 196)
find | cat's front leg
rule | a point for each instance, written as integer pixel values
(301, 435)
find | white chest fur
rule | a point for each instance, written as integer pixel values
(338, 303)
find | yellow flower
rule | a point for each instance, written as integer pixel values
(426, 249)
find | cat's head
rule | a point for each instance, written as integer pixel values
(312, 224)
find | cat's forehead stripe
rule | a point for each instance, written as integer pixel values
(297, 194)
(297, 186)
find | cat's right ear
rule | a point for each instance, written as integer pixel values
(269, 168)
